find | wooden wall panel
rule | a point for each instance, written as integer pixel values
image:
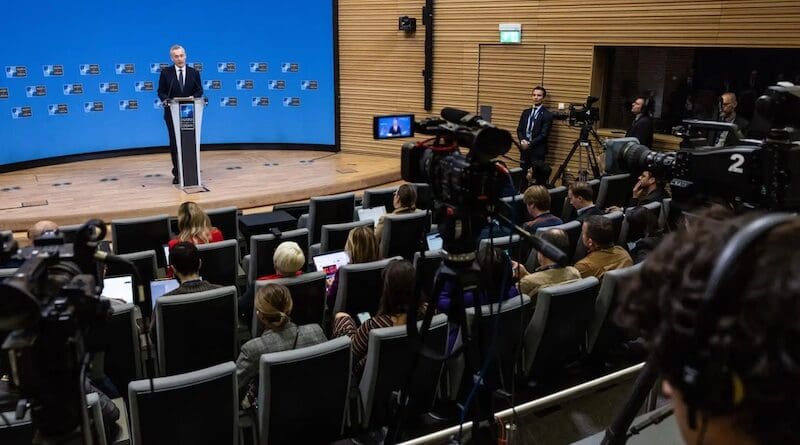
(380, 68)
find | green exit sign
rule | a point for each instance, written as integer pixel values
(510, 33)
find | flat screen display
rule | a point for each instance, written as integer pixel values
(389, 127)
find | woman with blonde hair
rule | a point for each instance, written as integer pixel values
(194, 226)
(361, 247)
(288, 260)
(273, 309)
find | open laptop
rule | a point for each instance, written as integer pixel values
(161, 287)
(435, 241)
(373, 213)
(120, 288)
(331, 262)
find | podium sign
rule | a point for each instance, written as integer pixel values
(187, 117)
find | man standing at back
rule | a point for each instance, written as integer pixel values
(533, 131)
(178, 80)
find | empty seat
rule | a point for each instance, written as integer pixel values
(139, 234)
(605, 304)
(308, 298)
(517, 177)
(196, 330)
(557, 331)
(519, 211)
(558, 195)
(262, 249)
(226, 219)
(624, 233)
(303, 393)
(426, 269)
(145, 262)
(404, 234)
(360, 287)
(379, 197)
(192, 408)
(295, 209)
(331, 209)
(219, 262)
(615, 190)
(122, 350)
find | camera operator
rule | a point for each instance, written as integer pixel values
(533, 130)
(730, 360)
(642, 127)
(727, 113)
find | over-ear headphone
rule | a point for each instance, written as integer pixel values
(706, 379)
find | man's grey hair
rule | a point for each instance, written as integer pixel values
(175, 47)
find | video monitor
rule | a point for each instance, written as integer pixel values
(394, 126)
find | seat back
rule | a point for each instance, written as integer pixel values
(219, 262)
(558, 195)
(196, 407)
(334, 236)
(5, 273)
(519, 211)
(303, 393)
(386, 366)
(509, 323)
(424, 196)
(573, 231)
(308, 298)
(16, 432)
(605, 304)
(616, 219)
(262, 249)
(226, 219)
(517, 249)
(379, 197)
(517, 175)
(122, 356)
(295, 209)
(426, 269)
(615, 190)
(404, 234)
(331, 209)
(625, 234)
(360, 287)
(138, 234)
(145, 262)
(557, 331)
(196, 330)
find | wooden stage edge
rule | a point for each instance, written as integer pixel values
(140, 185)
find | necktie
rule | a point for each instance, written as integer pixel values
(532, 121)
(180, 77)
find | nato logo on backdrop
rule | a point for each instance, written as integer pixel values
(53, 70)
(73, 88)
(259, 67)
(128, 104)
(244, 84)
(16, 71)
(309, 85)
(3, 93)
(124, 68)
(143, 85)
(276, 84)
(290, 67)
(260, 101)
(212, 84)
(109, 87)
(36, 91)
(156, 68)
(157, 104)
(89, 69)
(21, 112)
(291, 101)
(228, 101)
(198, 67)
(226, 67)
(91, 107)
(57, 109)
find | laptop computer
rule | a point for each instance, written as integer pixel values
(435, 241)
(373, 213)
(331, 262)
(161, 287)
(120, 288)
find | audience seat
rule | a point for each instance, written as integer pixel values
(138, 234)
(334, 237)
(308, 298)
(226, 219)
(424, 196)
(573, 231)
(558, 195)
(332, 209)
(615, 190)
(379, 197)
(198, 407)
(519, 211)
(601, 326)
(653, 207)
(517, 248)
(145, 262)
(360, 287)
(404, 234)
(220, 262)
(426, 268)
(303, 393)
(122, 350)
(262, 248)
(196, 330)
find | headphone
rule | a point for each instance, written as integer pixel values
(646, 104)
(706, 379)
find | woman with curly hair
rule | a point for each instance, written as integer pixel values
(194, 226)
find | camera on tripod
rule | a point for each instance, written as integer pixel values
(580, 114)
(764, 175)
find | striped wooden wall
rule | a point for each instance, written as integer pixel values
(380, 68)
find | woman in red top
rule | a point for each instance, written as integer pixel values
(195, 226)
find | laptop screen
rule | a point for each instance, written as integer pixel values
(161, 287)
(120, 288)
(434, 241)
(373, 213)
(331, 262)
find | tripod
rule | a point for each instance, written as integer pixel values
(585, 143)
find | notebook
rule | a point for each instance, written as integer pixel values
(161, 287)
(373, 213)
(120, 288)
(434, 241)
(331, 262)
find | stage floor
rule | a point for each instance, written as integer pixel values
(140, 185)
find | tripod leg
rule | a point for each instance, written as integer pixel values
(593, 160)
(563, 167)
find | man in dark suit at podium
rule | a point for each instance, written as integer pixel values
(178, 80)
(532, 132)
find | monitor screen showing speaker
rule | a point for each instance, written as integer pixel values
(395, 126)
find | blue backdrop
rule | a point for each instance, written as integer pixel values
(82, 76)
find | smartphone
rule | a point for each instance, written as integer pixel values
(363, 316)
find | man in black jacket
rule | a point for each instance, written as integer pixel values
(178, 80)
(727, 113)
(642, 127)
(533, 131)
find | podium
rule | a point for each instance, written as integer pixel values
(187, 117)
